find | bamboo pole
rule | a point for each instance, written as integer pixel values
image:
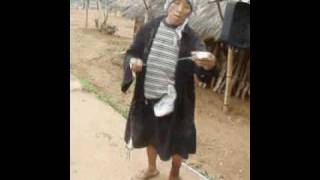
(227, 92)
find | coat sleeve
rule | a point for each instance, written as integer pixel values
(198, 45)
(135, 50)
(127, 74)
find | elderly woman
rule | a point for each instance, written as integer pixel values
(157, 59)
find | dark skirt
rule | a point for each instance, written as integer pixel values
(161, 133)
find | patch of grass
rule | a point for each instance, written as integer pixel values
(106, 99)
(87, 86)
(90, 88)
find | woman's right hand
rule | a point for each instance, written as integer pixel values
(136, 64)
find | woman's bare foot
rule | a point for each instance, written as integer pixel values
(174, 178)
(146, 174)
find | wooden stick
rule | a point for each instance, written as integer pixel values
(241, 84)
(213, 81)
(216, 50)
(237, 73)
(239, 88)
(228, 78)
(234, 80)
(222, 86)
(242, 78)
(245, 90)
(222, 72)
(220, 78)
(217, 65)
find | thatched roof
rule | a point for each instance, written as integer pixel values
(136, 8)
(206, 22)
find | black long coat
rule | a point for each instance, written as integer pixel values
(180, 133)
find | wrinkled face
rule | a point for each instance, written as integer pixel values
(178, 11)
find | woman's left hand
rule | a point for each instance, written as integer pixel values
(205, 63)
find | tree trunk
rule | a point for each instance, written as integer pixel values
(106, 14)
(83, 4)
(147, 14)
(98, 5)
(98, 20)
(87, 8)
(220, 11)
(103, 18)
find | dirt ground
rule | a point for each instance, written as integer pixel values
(223, 141)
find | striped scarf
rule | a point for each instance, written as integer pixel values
(162, 61)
